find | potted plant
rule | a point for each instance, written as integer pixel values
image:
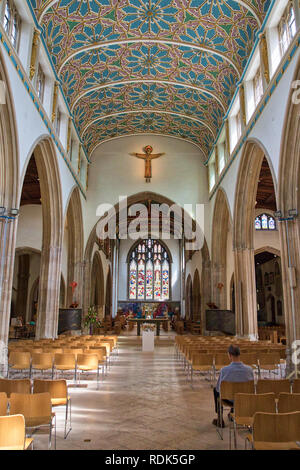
(91, 319)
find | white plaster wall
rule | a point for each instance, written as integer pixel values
(125, 246)
(30, 227)
(178, 175)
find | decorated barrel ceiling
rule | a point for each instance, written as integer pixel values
(149, 66)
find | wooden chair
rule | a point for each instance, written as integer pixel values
(101, 357)
(36, 409)
(268, 361)
(227, 393)
(19, 360)
(249, 359)
(245, 406)
(65, 362)
(276, 431)
(275, 386)
(3, 404)
(288, 402)
(59, 397)
(42, 362)
(15, 386)
(88, 362)
(201, 362)
(221, 360)
(12, 433)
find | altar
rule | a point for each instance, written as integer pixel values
(140, 321)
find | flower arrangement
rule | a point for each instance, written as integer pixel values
(91, 319)
(148, 327)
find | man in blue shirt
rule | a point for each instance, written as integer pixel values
(235, 372)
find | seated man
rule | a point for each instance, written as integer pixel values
(235, 372)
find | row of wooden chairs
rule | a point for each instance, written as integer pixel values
(57, 389)
(90, 360)
(247, 405)
(212, 362)
(229, 391)
(36, 410)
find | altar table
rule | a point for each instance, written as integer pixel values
(155, 321)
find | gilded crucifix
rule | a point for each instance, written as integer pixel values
(147, 156)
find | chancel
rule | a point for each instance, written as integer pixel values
(174, 127)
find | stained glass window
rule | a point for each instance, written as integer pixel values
(265, 222)
(132, 280)
(149, 271)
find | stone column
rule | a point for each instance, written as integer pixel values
(245, 293)
(49, 288)
(290, 262)
(182, 276)
(115, 275)
(22, 293)
(297, 12)
(86, 286)
(8, 231)
(218, 277)
(205, 290)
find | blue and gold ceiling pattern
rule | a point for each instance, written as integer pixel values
(149, 66)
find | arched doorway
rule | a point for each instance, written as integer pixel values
(188, 298)
(73, 243)
(269, 287)
(220, 227)
(254, 176)
(97, 285)
(196, 310)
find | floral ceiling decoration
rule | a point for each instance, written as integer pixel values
(149, 66)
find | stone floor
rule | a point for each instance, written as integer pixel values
(145, 402)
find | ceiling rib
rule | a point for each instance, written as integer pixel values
(148, 111)
(167, 82)
(149, 41)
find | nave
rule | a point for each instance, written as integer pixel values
(145, 402)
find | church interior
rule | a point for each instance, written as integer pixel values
(149, 222)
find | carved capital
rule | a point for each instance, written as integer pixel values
(34, 50)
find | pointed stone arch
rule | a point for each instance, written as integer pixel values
(108, 294)
(289, 198)
(97, 282)
(74, 222)
(220, 226)
(52, 212)
(243, 237)
(9, 192)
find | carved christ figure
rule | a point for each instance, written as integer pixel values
(147, 157)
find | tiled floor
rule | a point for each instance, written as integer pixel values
(145, 402)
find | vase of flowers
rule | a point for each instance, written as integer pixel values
(91, 320)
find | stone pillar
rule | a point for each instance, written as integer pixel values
(22, 293)
(115, 276)
(205, 290)
(8, 231)
(245, 293)
(182, 276)
(86, 286)
(218, 278)
(49, 289)
(296, 5)
(290, 262)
